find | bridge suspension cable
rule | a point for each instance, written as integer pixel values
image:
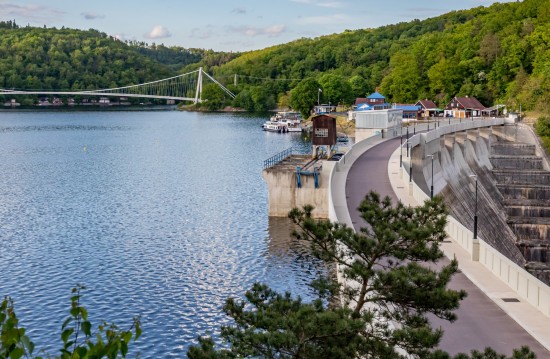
(184, 87)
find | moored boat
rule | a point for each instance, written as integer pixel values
(283, 122)
(272, 126)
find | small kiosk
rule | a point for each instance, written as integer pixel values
(323, 137)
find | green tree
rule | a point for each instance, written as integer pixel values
(263, 100)
(522, 353)
(283, 101)
(359, 86)
(336, 89)
(244, 100)
(542, 128)
(405, 80)
(379, 306)
(78, 339)
(304, 96)
(214, 97)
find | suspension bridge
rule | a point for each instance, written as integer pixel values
(184, 87)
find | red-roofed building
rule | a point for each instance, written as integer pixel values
(428, 108)
(464, 107)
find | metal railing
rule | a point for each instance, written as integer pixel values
(279, 157)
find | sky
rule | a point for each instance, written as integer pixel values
(237, 25)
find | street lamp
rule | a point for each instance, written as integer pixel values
(401, 149)
(407, 140)
(475, 210)
(432, 186)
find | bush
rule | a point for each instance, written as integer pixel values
(542, 129)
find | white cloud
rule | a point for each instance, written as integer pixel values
(332, 5)
(36, 13)
(239, 10)
(158, 32)
(270, 31)
(92, 15)
(275, 30)
(123, 37)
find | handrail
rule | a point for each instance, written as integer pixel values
(279, 157)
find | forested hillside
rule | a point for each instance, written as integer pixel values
(63, 59)
(500, 54)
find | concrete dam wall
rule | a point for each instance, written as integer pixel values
(513, 199)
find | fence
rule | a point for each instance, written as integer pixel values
(279, 157)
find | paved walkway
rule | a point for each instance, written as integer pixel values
(484, 320)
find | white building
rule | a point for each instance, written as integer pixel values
(374, 122)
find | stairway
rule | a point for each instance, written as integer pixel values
(525, 187)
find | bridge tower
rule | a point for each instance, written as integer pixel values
(198, 93)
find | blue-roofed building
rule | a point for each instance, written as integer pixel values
(363, 107)
(375, 100)
(377, 96)
(374, 116)
(409, 111)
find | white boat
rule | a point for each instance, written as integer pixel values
(291, 125)
(286, 121)
(272, 126)
(287, 115)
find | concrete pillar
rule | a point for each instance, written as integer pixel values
(460, 137)
(472, 135)
(284, 194)
(475, 249)
(485, 132)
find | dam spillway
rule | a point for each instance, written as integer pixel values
(513, 204)
(525, 186)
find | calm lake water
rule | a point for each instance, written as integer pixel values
(161, 214)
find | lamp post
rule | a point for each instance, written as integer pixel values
(475, 210)
(401, 149)
(407, 141)
(432, 184)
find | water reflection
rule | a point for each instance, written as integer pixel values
(162, 214)
(285, 251)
